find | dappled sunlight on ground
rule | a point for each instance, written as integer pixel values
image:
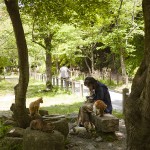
(7, 100)
(59, 99)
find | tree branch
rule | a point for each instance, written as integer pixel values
(33, 37)
(119, 10)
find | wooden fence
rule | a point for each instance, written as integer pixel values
(105, 74)
(76, 87)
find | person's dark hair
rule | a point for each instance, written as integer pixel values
(89, 81)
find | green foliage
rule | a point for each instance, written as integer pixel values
(136, 56)
(8, 145)
(35, 90)
(6, 87)
(109, 137)
(64, 109)
(8, 52)
(74, 43)
(3, 129)
(75, 26)
(4, 62)
(38, 89)
(110, 83)
(79, 77)
(123, 32)
(118, 114)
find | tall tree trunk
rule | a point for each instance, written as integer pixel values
(48, 61)
(57, 65)
(123, 68)
(137, 106)
(85, 59)
(92, 60)
(21, 88)
(93, 47)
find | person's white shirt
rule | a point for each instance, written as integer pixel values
(64, 72)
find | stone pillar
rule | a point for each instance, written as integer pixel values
(125, 95)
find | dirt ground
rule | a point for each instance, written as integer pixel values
(77, 142)
(88, 142)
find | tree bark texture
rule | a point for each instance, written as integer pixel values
(92, 57)
(137, 106)
(21, 88)
(47, 42)
(123, 67)
(86, 62)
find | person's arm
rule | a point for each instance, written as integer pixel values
(68, 70)
(99, 93)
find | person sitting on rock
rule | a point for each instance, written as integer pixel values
(98, 91)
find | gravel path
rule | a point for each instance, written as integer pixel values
(116, 97)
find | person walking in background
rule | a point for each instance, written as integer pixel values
(64, 75)
(64, 72)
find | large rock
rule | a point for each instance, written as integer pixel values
(43, 112)
(72, 117)
(38, 140)
(62, 126)
(15, 132)
(60, 123)
(10, 123)
(11, 143)
(107, 123)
